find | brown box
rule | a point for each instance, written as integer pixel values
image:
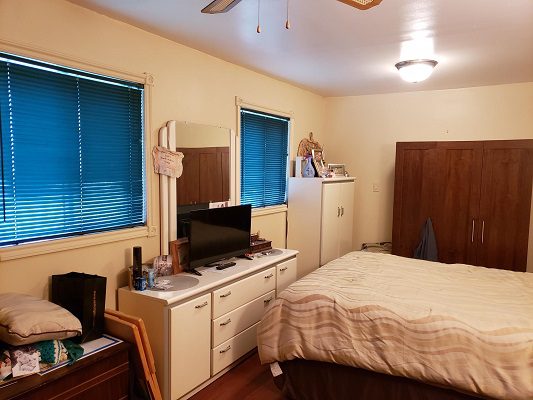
(260, 245)
(179, 250)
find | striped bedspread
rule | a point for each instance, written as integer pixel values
(467, 327)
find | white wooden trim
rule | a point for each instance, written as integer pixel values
(54, 246)
(257, 212)
(68, 60)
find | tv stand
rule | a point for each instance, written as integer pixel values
(199, 333)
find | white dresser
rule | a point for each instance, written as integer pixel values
(198, 333)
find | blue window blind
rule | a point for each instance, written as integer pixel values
(72, 158)
(264, 155)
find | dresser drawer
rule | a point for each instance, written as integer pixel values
(231, 350)
(239, 293)
(286, 274)
(239, 319)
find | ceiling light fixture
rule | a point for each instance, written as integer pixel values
(415, 70)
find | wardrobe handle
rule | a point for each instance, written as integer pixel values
(473, 229)
(483, 232)
(342, 211)
(283, 269)
(225, 322)
(338, 212)
(226, 294)
(269, 276)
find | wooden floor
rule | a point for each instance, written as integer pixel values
(248, 381)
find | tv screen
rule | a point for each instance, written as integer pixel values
(218, 233)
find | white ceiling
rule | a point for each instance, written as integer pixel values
(336, 50)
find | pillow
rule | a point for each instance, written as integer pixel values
(26, 319)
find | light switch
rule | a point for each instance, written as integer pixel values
(375, 187)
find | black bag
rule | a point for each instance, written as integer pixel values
(84, 296)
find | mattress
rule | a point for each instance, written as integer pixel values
(459, 326)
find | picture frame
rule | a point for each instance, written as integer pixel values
(337, 169)
(318, 160)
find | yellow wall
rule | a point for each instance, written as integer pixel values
(189, 86)
(363, 130)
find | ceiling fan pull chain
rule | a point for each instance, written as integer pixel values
(258, 16)
(288, 22)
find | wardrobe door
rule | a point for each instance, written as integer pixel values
(331, 213)
(457, 203)
(441, 181)
(505, 204)
(414, 186)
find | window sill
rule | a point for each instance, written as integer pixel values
(257, 212)
(53, 246)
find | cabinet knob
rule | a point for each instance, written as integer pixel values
(226, 294)
(205, 303)
(225, 322)
(225, 350)
(283, 269)
(269, 276)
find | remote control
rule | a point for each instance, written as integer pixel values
(225, 265)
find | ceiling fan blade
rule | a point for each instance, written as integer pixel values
(220, 6)
(361, 4)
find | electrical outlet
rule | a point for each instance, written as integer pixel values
(375, 187)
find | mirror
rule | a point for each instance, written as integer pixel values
(206, 164)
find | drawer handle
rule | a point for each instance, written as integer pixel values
(283, 269)
(225, 350)
(201, 305)
(226, 322)
(269, 276)
(225, 294)
(266, 301)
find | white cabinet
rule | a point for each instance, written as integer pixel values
(320, 220)
(198, 333)
(337, 220)
(190, 345)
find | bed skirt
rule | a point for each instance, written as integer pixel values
(315, 380)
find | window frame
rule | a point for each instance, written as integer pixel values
(240, 103)
(62, 244)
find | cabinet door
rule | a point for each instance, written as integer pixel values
(190, 345)
(286, 273)
(331, 212)
(505, 206)
(346, 202)
(441, 181)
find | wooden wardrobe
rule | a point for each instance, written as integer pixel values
(477, 194)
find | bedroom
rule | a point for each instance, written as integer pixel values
(193, 86)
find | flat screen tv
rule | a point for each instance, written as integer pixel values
(219, 233)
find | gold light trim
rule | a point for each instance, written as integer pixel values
(361, 4)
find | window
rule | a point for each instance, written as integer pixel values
(264, 155)
(71, 152)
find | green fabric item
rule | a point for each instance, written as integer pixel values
(50, 351)
(75, 351)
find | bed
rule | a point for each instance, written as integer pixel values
(384, 326)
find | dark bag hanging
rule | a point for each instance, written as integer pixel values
(427, 248)
(84, 296)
